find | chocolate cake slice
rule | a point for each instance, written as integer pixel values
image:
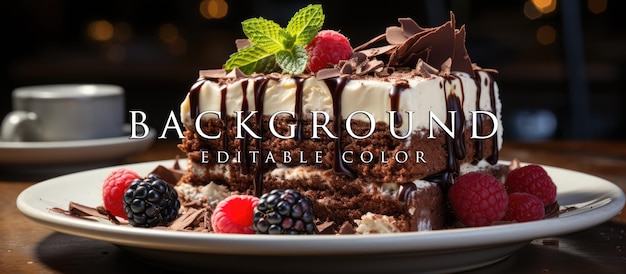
(374, 141)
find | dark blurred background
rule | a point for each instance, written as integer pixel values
(561, 63)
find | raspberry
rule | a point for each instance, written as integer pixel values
(234, 214)
(478, 199)
(284, 212)
(532, 179)
(524, 207)
(113, 190)
(327, 49)
(150, 202)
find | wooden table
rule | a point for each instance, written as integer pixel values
(27, 247)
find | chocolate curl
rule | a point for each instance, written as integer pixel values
(460, 59)
(446, 68)
(242, 43)
(409, 43)
(438, 43)
(236, 73)
(425, 70)
(360, 64)
(212, 74)
(327, 73)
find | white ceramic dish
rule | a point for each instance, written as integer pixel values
(596, 201)
(70, 156)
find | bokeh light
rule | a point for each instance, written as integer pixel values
(100, 30)
(168, 33)
(213, 9)
(545, 6)
(597, 6)
(546, 35)
(531, 11)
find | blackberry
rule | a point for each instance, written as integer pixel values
(284, 212)
(150, 201)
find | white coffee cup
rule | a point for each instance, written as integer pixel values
(64, 112)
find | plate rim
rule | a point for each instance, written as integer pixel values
(427, 241)
(82, 143)
(65, 153)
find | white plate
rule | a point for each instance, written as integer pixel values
(70, 155)
(596, 201)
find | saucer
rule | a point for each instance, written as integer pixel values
(59, 157)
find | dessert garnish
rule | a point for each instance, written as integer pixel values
(151, 201)
(271, 46)
(478, 199)
(524, 207)
(284, 212)
(113, 190)
(234, 214)
(532, 179)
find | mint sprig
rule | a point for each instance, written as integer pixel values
(272, 45)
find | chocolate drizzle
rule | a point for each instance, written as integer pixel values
(336, 86)
(260, 84)
(194, 98)
(394, 96)
(479, 124)
(493, 159)
(405, 190)
(298, 107)
(224, 115)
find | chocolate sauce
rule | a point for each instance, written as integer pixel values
(298, 107)
(394, 96)
(493, 159)
(456, 144)
(443, 179)
(479, 124)
(405, 190)
(224, 115)
(336, 86)
(260, 84)
(194, 98)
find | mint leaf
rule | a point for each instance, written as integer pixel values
(272, 45)
(305, 24)
(246, 59)
(288, 39)
(265, 65)
(264, 33)
(292, 61)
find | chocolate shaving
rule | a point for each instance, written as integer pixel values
(222, 74)
(187, 219)
(460, 59)
(170, 175)
(409, 26)
(242, 43)
(83, 212)
(212, 74)
(446, 67)
(552, 210)
(378, 51)
(328, 73)
(346, 228)
(326, 228)
(409, 43)
(425, 70)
